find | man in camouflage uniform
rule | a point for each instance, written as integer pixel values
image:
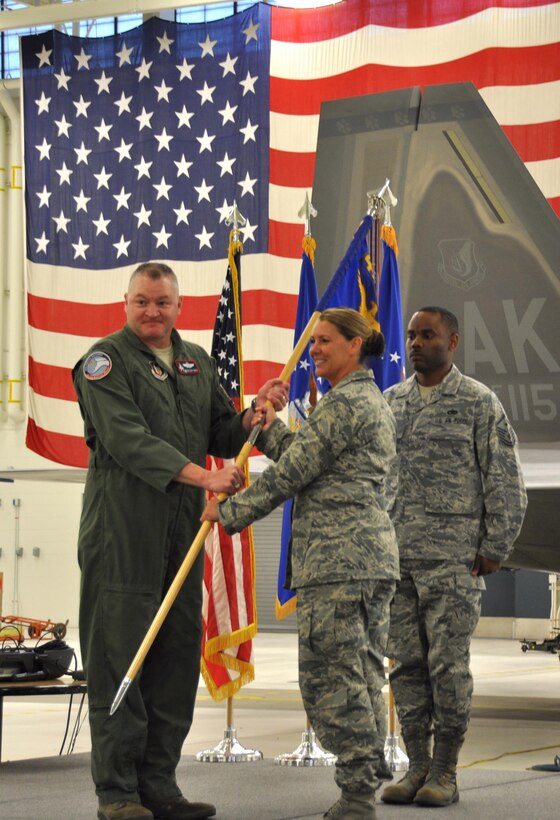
(343, 557)
(459, 507)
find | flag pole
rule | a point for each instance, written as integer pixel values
(240, 461)
(379, 207)
(308, 753)
(229, 749)
(236, 219)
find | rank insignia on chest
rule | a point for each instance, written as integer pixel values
(97, 365)
(187, 367)
(158, 371)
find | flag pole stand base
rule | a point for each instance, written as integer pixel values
(306, 754)
(548, 767)
(229, 750)
(395, 758)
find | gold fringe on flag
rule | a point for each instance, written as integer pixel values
(245, 669)
(308, 244)
(283, 610)
(389, 236)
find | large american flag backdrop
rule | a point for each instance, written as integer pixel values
(137, 146)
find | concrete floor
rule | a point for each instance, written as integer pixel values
(515, 723)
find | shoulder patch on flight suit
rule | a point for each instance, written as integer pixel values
(505, 433)
(97, 365)
(187, 367)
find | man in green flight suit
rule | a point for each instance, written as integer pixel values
(152, 409)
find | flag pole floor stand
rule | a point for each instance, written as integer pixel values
(395, 758)
(548, 767)
(229, 750)
(306, 754)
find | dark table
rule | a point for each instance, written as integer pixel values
(61, 686)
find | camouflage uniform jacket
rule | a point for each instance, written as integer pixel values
(458, 481)
(335, 466)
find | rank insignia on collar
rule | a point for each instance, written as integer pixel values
(158, 371)
(97, 365)
(187, 367)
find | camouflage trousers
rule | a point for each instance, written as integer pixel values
(433, 616)
(343, 631)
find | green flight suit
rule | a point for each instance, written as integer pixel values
(143, 424)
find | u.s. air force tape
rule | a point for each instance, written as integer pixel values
(97, 365)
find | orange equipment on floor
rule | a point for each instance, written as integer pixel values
(14, 627)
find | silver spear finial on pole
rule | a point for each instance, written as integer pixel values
(236, 219)
(389, 200)
(306, 212)
(380, 203)
(375, 205)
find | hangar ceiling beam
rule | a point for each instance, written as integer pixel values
(53, 13)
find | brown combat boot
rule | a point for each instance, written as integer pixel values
(353, 806)
(440, 789)
(123, 810)
(418, 751)
(180, 809)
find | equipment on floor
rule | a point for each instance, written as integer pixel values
(13, 628)
(46, 661)
(546, 645)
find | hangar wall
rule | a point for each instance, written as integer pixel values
(43, 514)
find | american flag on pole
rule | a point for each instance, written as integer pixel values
(229, 620)
(137, 145)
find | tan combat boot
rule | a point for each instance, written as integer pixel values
(418, 751)
(123, 810)
(440, 789)
(353, 806)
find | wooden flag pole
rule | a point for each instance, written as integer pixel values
(200, 537)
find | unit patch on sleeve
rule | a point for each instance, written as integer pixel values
(187, 367)
(97, 365)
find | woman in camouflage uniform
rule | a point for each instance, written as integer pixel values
(343, 559)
